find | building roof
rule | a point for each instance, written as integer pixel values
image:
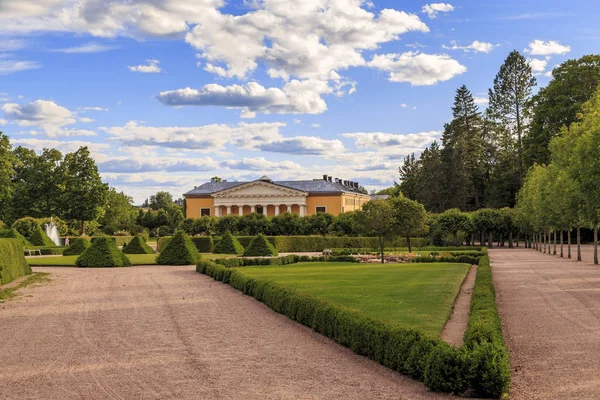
(314, 186)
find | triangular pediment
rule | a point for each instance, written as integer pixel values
(259, 188)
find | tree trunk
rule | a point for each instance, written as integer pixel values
(578, 243)
(455, 237)
(510, 240)
(544, 241)
(409, 245)
(596, 244)
(82, 228)
(382, 247)
(569, 243)
(562, 252)
(554, 252)
(517, 241)
(491, 240)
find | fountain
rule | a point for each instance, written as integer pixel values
(52, 232)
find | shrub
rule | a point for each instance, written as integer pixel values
(179, 251)
(137, 245)
(448, 369)
(2, 226)
(229, 245)
(12, 261)
(25, 226)
(48, 251)
(39, 238)
(77, 246)
(14, 234)
(260, 247)
(103, 253)
(204, 244)
(118, 240)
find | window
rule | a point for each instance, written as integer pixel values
(321, 210)
(259, 210)
(205, 212)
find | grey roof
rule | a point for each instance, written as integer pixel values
(314, 186)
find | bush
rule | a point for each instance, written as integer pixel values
(118, 240)
(179, 251)
(204, 244)
(49, 251)
(76, 247)
(448, 369)
(137, 245)
(260, 247)
(39, 238)
(229, 245)
(12, 262)
(2, 226)
(14, 234)
(26, 226)
(103, 253)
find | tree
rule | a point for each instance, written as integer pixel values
(509, 99)
(377, 220)
(558, 104)
(85, 195)
(453, 221)
(286, 224)
(119, 209)
(409, 218)
(161, 200)
(346, 224)
(7, 172)
(317, 224)
(409, 177)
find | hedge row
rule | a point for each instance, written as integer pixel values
(76, 247)
(204, 244)
(480, 366)
(14, 234)
(376, 250)
(12, 261)
(118, 240)
(285, 260)
(459, 259)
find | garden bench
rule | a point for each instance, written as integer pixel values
(33, 251)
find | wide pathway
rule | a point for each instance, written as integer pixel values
(170, 333)
(550, 310)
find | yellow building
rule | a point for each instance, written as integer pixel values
(264, 196)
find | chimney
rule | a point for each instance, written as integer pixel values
(325, 178)
(356, 185)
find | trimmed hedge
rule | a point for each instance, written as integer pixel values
(260, 247)
(460, 260)
(285, 260)
(39, 238)
(229, 244)
(375, 250)
(14, 234)
(49, 251)
(179, 251)
(76, 247)
(480, 366)
(103, 253)
(137, 245)
(12, 261)
(204, 244)
(118, 240)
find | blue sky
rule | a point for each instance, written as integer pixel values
(168, 93)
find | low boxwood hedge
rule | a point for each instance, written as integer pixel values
(76, 247)
(204, 244)
(103, 253)
(12, 261)
(179, 251)
(137, 245)
(285, 260)
(459, 259)
(14, 234)
(480, 366)
(229, 244)
(373, 250)
(260, 247)
(51, 251)
(39, 238)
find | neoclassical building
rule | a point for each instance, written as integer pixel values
(265, 196)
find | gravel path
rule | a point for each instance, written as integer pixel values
(455, 328)
(170, 333)
(550, 310)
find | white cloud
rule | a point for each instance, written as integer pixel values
(477, 46)
(95, 108)
(259, 164)
(541, 48)
(403, 105)
(418, 69)
(11, 44)
(151, 68)
(140, 164)
(296, 97)
(85, 48)
(378, 140)
(315, 125)
(304, 145)
(86, 120)
(9, 66)
(481, 100)
(537, 65)
(63, 146)
(432, 10)
(3, 122)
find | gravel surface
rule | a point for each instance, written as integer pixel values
(550, 308)
(154, 332)
(455, 328)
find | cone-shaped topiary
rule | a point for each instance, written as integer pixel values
(137, 245)
(103, 253)
(229, 245)
(179, 251)
(77, 247)
(39, 238)
(14, 234)
(260, 247)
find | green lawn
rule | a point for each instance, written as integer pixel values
(418, 296)
(136, 259)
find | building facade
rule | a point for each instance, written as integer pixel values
(268, 197)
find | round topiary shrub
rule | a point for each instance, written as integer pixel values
(39, 238)
(137, 245)
(14, 234)
(103, 253)
(260, 247)
(77, 247)
(229, 245)
(179, 251)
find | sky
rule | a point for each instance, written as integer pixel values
(169, 93)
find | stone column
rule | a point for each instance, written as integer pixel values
(252, 209)
(241, 210)
(217, 211)
(228, 210)
(276, 209)
(302, 210)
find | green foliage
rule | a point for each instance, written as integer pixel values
(12, 261)
(377, 220)
(228, 245)
(7, 172)
(260, 247)
(39, 238)
(137, 245)
(448, 369)
(287, 224)
(77, 246)
(103, 253)
(26, 226)
(14, 234)
(346, 224)
(179, 251)
(409, 218)
(119, 210)
(161, 201)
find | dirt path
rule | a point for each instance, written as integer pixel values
(455, 328)
(550, 310)
(170, 333)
